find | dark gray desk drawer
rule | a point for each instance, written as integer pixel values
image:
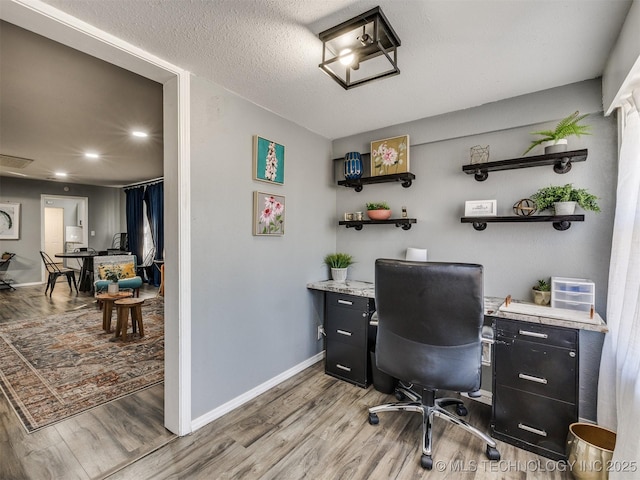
(533, 422)
(531, 332)
(347, 363)
(537, 368)
(347, 301)
(347, 326)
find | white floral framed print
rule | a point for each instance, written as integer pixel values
(268, 160)
(389, 156)
(9, 221)
(268, 214)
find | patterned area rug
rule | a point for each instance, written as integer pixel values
(54, 367)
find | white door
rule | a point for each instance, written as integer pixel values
(53, 232)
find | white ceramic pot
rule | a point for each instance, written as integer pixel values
(540, 297)
(339, 274)
(113, 288)
(564, 208)
(555, 146)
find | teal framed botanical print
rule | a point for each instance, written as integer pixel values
(268, 160)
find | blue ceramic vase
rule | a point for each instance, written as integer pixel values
(352, 166)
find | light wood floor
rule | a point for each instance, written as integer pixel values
(92, 444)
(310, 426)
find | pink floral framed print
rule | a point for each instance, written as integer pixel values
(268, 214)
(389, 156)
(268, 160)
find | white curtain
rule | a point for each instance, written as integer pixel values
(619, 384)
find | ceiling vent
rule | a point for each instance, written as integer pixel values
(13, 162)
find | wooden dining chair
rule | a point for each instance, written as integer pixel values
(56, 271)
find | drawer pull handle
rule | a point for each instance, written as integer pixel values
(531, 378)
(342, 367)
(344, 332)
(527, 333)
(345, 302)
(527, 428)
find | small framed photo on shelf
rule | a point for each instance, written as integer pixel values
(268, 160)
(9, 221)
(268, 214)
(480, 208)
(389, 156)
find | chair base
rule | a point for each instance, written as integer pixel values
(429, 406)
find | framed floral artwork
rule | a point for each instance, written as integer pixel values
(390, 155)
(9, 221)
(268, 214)
(268, 160)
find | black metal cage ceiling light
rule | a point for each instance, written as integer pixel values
(360, 50)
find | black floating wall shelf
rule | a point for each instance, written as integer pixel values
(561, 162)
(357, 184)
(405, 223)
(560, 222)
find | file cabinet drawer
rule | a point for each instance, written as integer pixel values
(532, 332)
(537, 368)
(346, 326)
(533, 422)
(348, 301)
(347, 362)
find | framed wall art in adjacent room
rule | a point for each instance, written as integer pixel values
(268, 214)
(268, 160)
(9, 221)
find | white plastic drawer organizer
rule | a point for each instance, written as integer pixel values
(573, 293)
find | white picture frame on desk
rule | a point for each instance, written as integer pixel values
(480, 208)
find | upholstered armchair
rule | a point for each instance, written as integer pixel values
(120, 268)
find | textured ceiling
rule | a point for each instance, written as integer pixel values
(455, 54)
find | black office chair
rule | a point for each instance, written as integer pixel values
(56, 271)
(430, 318)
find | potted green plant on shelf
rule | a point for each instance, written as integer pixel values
(542, 292)
(378, 211)
(563, 199)
(556, 140)
(339, 264)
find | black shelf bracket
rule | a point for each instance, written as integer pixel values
(561, 162)
(560, 222)
(404, 223)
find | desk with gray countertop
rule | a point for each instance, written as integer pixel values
(534, 361)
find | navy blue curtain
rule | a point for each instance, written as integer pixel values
(135, 221)
(154, 198)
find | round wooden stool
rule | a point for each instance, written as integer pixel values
(124, 306)
(106, 302)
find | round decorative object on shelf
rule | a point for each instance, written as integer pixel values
(379, 214)
(525, 207)
(352, 166)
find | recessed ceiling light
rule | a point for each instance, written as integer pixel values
(139, 133)
(91, 155)
(61, 174)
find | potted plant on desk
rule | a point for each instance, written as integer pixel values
(339, 264)
(542, 292)
(113, 275)
(378, 211)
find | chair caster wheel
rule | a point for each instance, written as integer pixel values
(492, 453)
(461, 410)
(426, 462)
(373, 419)
(399, 396)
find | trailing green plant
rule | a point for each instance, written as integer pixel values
(378, 206)
(566, 127)
(542, 286)
(547, 196)
(338, 260)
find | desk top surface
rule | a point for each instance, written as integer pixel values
(85, 254)
(492, 306)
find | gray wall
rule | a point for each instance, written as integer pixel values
(104, 218)
(252, 316)
(514, 255)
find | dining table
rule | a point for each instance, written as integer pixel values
(86, 270)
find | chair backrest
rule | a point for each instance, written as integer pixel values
(49, 264)
(430, 318)
(4, 264)
(148, 259)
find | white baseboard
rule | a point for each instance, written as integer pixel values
(18, 285)
(208, 417)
